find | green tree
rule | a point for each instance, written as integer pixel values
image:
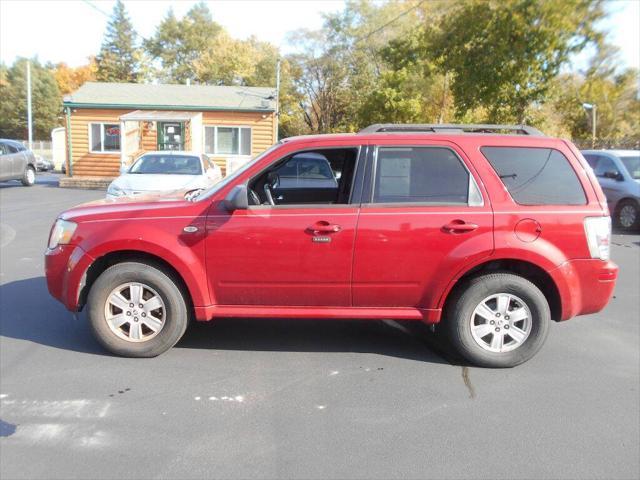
(118, 57)
(179, 44)
(503, 55)
(46, 100)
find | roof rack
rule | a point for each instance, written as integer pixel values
(449, 128)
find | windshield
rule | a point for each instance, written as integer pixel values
(169, 164)
(632, 164)
(232, 176)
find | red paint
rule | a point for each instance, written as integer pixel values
(372, 261)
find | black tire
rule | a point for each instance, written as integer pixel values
(29, 176)
(176, 316)
(624, 224)
(459, 311)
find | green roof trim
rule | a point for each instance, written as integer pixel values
(144, 96)
(189, 108)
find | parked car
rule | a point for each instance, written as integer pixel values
(42, 164)
(618, 172)
(490, 234)
(158, 172)
(17, 162)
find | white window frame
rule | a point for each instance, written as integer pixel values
(103, 151)
(215, 140)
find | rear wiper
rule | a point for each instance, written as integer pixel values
(191, 195)
(511, 175)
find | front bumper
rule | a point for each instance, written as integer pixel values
(65, 267)
(585, 285)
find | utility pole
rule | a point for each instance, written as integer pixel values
(593, 107)
(277, 97)
(29, 104)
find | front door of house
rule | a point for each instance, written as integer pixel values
(170, 136)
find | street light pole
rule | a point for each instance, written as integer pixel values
(29, 104)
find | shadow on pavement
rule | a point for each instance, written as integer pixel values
(28, 312)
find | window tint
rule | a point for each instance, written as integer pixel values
(11, 148)
(605, 164)
(167, 164)
(592, 160)
(536, 176)
(420, 175)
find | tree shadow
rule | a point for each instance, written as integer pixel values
(28, 312)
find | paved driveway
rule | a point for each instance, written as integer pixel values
(302, 399)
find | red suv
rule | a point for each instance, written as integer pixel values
(492, 231)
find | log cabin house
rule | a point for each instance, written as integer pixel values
(112, 124)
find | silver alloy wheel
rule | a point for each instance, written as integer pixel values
(627, 216)
(31, 175)
(501, 323)
(135, 312)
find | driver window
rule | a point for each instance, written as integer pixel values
(311, 177)
(605, 164)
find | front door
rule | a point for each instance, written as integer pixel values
(170, 136)
(423, 218)
(290, 248)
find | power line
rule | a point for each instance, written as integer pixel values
(406, 12)
(97, 9)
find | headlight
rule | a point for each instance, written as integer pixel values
(61, 233)
(115, 190)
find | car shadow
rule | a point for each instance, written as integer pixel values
(28, 312)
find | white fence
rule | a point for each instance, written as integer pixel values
(40, 147)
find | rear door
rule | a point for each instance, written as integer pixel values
(424, 216)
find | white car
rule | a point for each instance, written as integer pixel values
(161, 172)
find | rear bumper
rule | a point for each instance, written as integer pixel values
(65, 267)
(585, 285)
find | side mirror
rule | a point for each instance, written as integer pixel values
(612, 174)
(237, 198)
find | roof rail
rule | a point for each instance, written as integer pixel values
(449, 128)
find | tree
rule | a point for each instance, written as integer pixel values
(503, 55)
(69, 79)
(118, 57)
(179, 44)
(45, 98)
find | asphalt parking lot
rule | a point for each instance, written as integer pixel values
(302, 399)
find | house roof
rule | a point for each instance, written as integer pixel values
(171, 97)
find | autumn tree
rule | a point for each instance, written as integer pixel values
(503, 55)
(69, 79)
(178, 44)
(45, 97)
(118, 59)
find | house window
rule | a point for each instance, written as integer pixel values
(104, 137)
(227, 140)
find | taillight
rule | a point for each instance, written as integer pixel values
(598, 232)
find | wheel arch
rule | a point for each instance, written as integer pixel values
(107, 260)
(532, 272)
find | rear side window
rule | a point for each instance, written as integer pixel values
(536, 176)
(420, 175)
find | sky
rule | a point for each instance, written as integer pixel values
(71, 30)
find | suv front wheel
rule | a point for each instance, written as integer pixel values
(498, 320)
(136, 310)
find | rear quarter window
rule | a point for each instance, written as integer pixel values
(536, 176)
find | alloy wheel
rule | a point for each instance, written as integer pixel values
(501, 323)
(135, 312)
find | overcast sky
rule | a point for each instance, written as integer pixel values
(71, 30)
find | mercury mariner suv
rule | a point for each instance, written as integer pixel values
(491, 231)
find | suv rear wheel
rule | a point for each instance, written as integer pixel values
(498, 320)
(136, 310)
